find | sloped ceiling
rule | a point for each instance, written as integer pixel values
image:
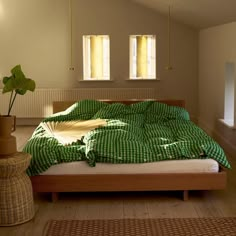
(196, 13)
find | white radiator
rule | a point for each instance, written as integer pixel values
(39, 103)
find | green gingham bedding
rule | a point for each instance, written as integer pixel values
(142, 132)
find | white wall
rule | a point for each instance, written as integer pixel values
(216, 48)
(35, 34)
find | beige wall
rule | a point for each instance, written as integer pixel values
(35, 34)
(216, 47)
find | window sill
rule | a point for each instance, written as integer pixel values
(96, 80)
(229, 123)
(143, 79)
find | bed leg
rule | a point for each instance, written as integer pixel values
(185, 195)
(54, 197)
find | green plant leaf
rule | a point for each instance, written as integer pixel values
(18, 73)
(9, 85)
(17, 83)
(5, 79)
(21, 91)
(30, 85)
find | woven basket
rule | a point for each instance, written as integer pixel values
(16, 196)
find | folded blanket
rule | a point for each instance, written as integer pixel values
(67, 132)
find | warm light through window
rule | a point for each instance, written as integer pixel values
(230, 105)
(142, 57)
(96, 56)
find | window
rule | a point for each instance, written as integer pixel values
(142, 57)
(230, 105)
(96, 57)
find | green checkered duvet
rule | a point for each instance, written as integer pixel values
(142, 132)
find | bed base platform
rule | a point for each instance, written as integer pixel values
(129, 182)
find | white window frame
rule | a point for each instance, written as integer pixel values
(87, 58)
(151, 58)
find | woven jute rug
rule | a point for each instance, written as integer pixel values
(225, 226)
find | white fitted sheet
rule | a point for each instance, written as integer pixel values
(169, 166)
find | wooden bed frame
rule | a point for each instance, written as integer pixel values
(127, 182)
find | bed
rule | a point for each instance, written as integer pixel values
(55, 183)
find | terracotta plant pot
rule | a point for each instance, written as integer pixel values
(7, 141)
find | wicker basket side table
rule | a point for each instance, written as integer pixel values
(16, 195)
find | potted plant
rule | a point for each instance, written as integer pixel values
(15, 84)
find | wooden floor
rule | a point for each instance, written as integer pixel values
(125, 205)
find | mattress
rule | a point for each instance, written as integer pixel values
(169, 166)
